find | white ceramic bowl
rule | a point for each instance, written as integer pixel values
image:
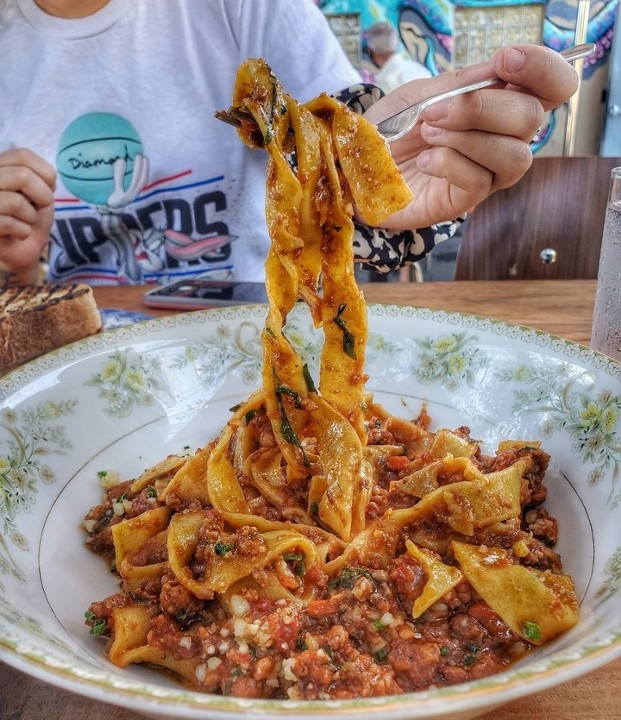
(125, 398)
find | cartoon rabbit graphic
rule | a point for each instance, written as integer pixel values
(123, 239)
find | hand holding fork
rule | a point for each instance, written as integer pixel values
(398, 125)
(463, 149)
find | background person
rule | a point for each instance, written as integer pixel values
(395, 67)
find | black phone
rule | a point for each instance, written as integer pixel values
(199, 292)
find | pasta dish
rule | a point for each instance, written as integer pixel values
(321, 547)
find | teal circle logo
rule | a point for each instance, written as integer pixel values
(87, 151)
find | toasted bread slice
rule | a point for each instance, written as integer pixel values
(37, 319)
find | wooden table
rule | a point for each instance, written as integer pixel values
(561, 307)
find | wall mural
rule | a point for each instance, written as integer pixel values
(426, 26)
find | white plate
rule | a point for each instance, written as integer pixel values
(124, 399)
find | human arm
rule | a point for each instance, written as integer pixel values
(26, 214)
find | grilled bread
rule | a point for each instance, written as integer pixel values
(37, 319)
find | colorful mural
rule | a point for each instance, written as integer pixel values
(426, 25)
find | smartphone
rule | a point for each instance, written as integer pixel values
(199, 292)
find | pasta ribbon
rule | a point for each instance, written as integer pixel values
(341, 160)
(536, 605)
(449, 443)
(161, 471)
(228, 567)
(341, 459)
(136, 542)
(325, 542)
(190, 481)
(461, 506)
(224, 490)
(440, 578)
(131, 625)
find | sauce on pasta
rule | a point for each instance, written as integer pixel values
(321, 547)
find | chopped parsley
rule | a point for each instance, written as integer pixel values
(380, 655)
(222, 548)
(286, 390)
(531, 630)
(297, 562)
(310, 383)
(349, 342)
(286, 430)
(347, 578)
(98, 625)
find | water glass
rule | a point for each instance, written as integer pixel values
(606, 331)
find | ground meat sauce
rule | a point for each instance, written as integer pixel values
(357, 636)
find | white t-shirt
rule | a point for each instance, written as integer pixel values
(399, 70)
(140, 80)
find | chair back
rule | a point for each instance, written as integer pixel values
(548, 225)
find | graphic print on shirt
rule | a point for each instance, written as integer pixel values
(139, 232)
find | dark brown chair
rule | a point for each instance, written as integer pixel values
(548, 225)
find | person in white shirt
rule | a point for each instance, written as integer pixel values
(395, 67)
(111, 158)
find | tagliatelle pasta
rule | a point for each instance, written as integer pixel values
(321, 547)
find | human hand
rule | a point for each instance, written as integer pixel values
(467, 147)
(27, 185)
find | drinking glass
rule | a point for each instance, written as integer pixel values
(606, 331)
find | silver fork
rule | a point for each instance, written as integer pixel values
(398, 125)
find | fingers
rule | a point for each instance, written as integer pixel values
(537, 70)
(26, 207)
(481, 138)
(503, 112)
(473, 144)
(476, 162)
(21, 251)
(17, 215)
(489, 135)
(27, 184)
(533, 69)
(23, 171)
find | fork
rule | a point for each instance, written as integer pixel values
(398, 125)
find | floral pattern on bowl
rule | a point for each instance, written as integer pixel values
(123, 399)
